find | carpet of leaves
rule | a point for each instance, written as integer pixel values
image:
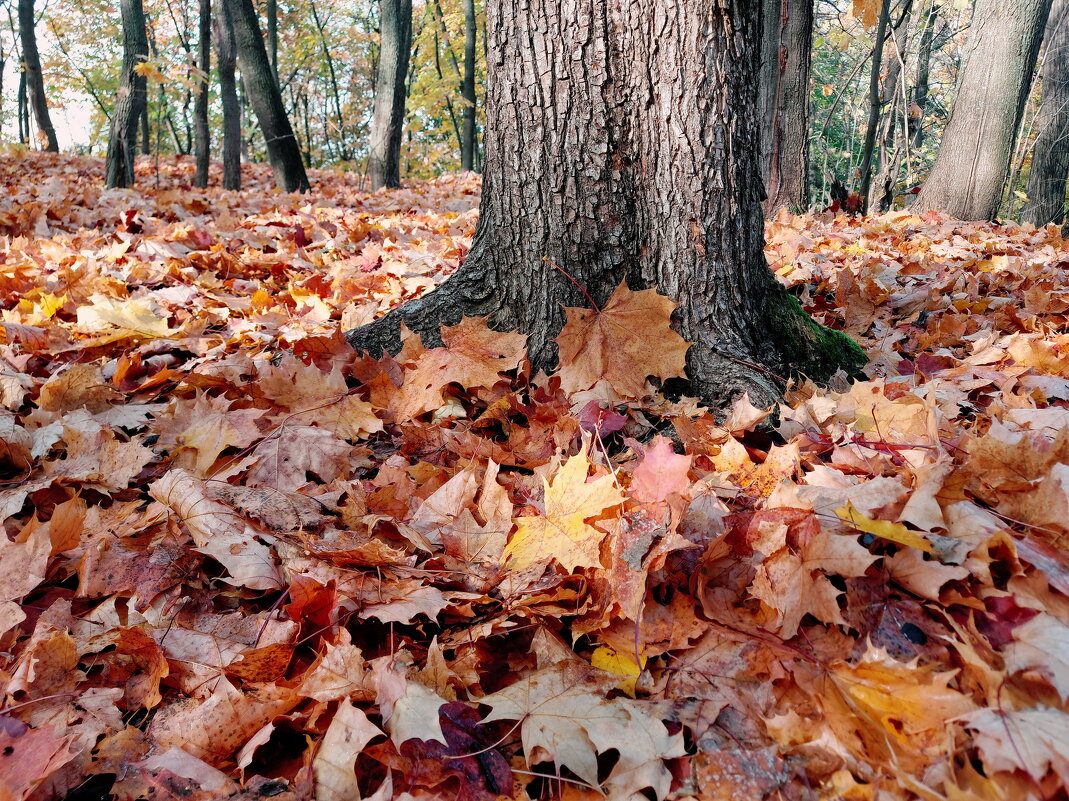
(243, 561)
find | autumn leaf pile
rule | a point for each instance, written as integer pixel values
(243, 561)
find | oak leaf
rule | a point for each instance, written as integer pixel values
(629, 339)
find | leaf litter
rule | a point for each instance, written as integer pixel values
(243, 561)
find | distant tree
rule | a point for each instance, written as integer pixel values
(967, 178)
(617, 154)
(875, 99)
(226, 49)
(200, 111)
(384, 161)
(783, 102)
(283, 152)
(131, 99)
(1050, 158)
(35, 82)
(467, 138)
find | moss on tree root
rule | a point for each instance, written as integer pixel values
(807, 347)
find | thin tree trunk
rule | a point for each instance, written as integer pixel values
(335, 92)
(384, 164)
(1050, 158)
(23, 110)
(967, 178)
(874, 101)
(467, 89)
(131, 99)
(637, 162)
(272, 36)
(226, 51)
(146, 132)
(891, 136)
(924, 70)
(783, 102)
(266, 98)
(200, 110)
(35, 81)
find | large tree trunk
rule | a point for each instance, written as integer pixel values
(226, 49)
(637, 161)
(384, 160)
(131, 99)
(266, 98)
(974, 156)
(467, 89)
(783, 102)
(1050, 158)
(35, 81)
(200, 107)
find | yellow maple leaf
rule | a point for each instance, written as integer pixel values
(628, 339)
(563, 533)
(139, 316)
(884, 529)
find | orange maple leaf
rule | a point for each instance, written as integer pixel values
(629, 339)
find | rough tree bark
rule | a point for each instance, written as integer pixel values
(131, 100)
(283, 152)
(467, 89)
(1050, 158)
(226, 51)
(783, 102)
(636, 161)
(35, 81)
(384, 159)
(967, 178)
(200, 106)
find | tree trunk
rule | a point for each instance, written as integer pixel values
(874, 101)
(200, 108)
(282, 150)
(974, 156)
(35, 81)
(924, 70)
(783, 102)
(384, 164)
(891, 132)
(1050, 158)
(638, 161)
(272, 36)
(467, 89)
(131, 99)
(226, 51)
(23, 110)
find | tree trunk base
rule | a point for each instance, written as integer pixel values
(797, 346)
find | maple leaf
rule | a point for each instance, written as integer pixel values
(1041, 644)
(661, 472)
(203, 428)
(134, 317)
(284, 460)
(1033, 740)
(317, 397)
(473, 356)
(629, 339)
(563, 533)
(334, 766)
(218, 532)
(565, 717)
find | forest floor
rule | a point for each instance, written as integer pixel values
(243, 561)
